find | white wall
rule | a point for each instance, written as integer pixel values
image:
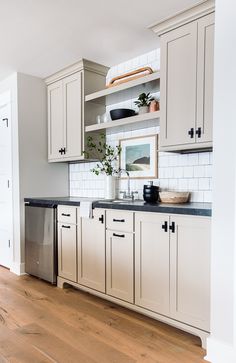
(32, 176)
(190, 172)
(221, 346)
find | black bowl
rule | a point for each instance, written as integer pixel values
(121, 113)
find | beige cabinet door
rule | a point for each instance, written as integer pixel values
(67, 251)
(152, 261)
(120, 265)
(55, 121)
(91, 251)
(72, 99)
(178, 86)
(190, 270)
(205, 76)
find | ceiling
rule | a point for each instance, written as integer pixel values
(39, 37)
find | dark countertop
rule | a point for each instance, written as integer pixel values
(199, 209)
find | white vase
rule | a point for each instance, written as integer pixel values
(143, 109)
(110, 187)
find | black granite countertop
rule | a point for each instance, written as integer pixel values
(199, 209)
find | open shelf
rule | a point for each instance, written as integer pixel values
(124, 121)
(124, 86)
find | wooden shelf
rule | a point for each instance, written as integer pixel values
(124, 121)
(124, 86)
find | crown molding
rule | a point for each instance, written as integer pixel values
(185, 16)
(83, 64)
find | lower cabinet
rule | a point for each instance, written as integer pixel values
(92, 251)
(162, 265)
(190, 270)
(152, 250)
(120, 265)
(172, 267)
(67, 251)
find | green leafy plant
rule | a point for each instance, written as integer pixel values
(106, 154)
(144, 99)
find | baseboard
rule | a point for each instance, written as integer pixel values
(219, 352)
(18, 268)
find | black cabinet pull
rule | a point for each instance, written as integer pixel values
(5, 120)
(172, 227)
(165, 226)
(199, 132)
(191, 133)
(118, 220)
(62, 150)
(118, 235)
(101, 219)
(65, 215)
(63, 226)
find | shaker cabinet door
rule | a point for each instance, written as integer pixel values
(190, 271)
(205, 73)
(72, 95)
(55, 121)
(178, 85)
(152, 250)
(67, 251)
(120, 265)
(91, 251)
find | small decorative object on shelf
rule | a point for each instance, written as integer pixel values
(143, 102)
(119, 113)
(154, 106)
(126, 77)
(107, 157)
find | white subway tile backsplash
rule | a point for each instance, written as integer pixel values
(185, 172)
(188, 171)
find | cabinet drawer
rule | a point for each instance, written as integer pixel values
(67, 214)
(118, 220)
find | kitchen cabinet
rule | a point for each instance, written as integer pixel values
(187, 59)
(67, 112)
(65, 118)
(172, 266)
(190, 270)
(152, 249)
(67, 242)
(120, 265)
(120, 254)
(91, 251)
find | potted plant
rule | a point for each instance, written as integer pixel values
(143, 102)
(107, 157)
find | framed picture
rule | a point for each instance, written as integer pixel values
(139, 156)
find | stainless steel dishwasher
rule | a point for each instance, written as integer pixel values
(41, 241)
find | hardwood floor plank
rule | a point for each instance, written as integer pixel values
(54, 325)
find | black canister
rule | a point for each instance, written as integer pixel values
(151, 193)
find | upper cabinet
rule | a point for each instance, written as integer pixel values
(68, 115)
(187, 66)
(187, 56)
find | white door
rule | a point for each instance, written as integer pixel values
(205, 76)
(56, 142)
(72, 100)
(152, 248)
(6, 219)
(190, 270)
(178, 85)
(67, 251)
(120, 265)
(91, 251)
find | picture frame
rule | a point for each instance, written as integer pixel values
(139, 156)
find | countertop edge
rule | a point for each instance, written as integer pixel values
(184, 209)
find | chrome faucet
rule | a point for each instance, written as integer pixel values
(128, 194)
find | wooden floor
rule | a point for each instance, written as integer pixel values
(41, 323)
